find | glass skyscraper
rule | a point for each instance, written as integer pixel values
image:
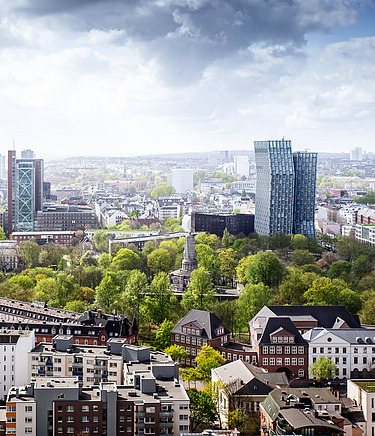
(285, 192)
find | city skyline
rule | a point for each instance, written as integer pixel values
(119, 78)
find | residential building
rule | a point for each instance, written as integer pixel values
(307, 411)
(247, 186)
(285, 191)
(244, 386)
(305, 168)
(149, 401)
(211, 185)
(216, 223)
(198, 328)
(182, 180)
(356, 154)
(241, 166)
(8, 255)
(362, 392)
(331, 228)
(351, 350)
(209, 432)
(365, 233)
(25, 192)
(14, 347)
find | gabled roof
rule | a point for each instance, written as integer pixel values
(327, 316)
(285, 323)
(247, 379)
(208, 321)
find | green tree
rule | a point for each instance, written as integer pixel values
(202, 410)
(47, 290)
(163, 335)
(75, 306)
(242, 268)
(279, 241)
(107, 292)
(299, 242)
(159, 261)
(302, 257)
(265, 268)
(208, 359)
(362, 266)
(227, 264)
(158, 302)
(85, 294)
(2, 234)
(24, 282)
(101, 241)
(200, 294)
(368, 308)
(206, 258)
(135, 292)
(252, 299)
(338, 268)
(67, 287)
(323, 369)
(225, 240)
(176, 352)
(125, 259)
(29, 252)
(292, 289)
(105, 260)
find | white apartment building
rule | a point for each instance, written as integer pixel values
(182, 180)
(363, 393)
(62, 358)
(365, 233)
(21, 416)
(241, 165)
(351, 350)
(14, 346)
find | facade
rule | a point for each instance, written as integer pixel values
(307, 411)
(305, 167)
(241, 165)
(211, 185)
(351, 350)
(13, 367)
(182, 180)
(62, 238)
(150, 399)
(365, 233)
(8, 255)
(25, 192)
(216, 223)
(275, 187)
(244, 386)
(285, 191)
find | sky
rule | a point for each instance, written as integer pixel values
(136, 77)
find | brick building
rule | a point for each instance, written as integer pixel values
(58, 237)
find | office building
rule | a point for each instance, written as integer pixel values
(356, 154)
(2, 167)
(25, 192)
(27, 154)
(305, 167)
(182, 180)
(216, 223)
(64, 217)
(241, 166)
(285, 190)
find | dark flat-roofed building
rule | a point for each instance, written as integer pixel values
(216, 223)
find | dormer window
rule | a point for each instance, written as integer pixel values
(274, 339)
(291, 339)
(286, 338)
(280, 339)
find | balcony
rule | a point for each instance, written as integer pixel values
(166, 414)
(166, 424)
(49, 363)
(78, 364)
(139, 414)
(77, 373)
(41, 371)
(101, 367)
(140, 425)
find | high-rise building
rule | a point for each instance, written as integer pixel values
(285, 191)
(182, 180)
(25, 192)
(27, 154)
(2, 167)
(305, 165)
(356, 154)
(241, 165)
(274, 196)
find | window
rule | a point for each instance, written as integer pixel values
(301, 361)
(70, 408)
(344, 350)
(265, 350)
(274, 339)
(280, 339)
(294, 361)
(59, 429)
(184, 406)
(150, 409)
(344, 360)
(321, 350)
(279, 361)
(286, 338)
(287, 350)
(12, 408)
(314, 350)
(272, 361)
(301, 373)
(356, 360)
(70, 430)
(355, 350)
(28, 429)
(364, 360)
(265, 361)
(85, 408)
(287, 361)
(70, 419)
(344, 371)
(28, 419)
(272, 350)
(279, 350)
(291, 339)
(337, 361)
(95, 408)
(294, 350)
